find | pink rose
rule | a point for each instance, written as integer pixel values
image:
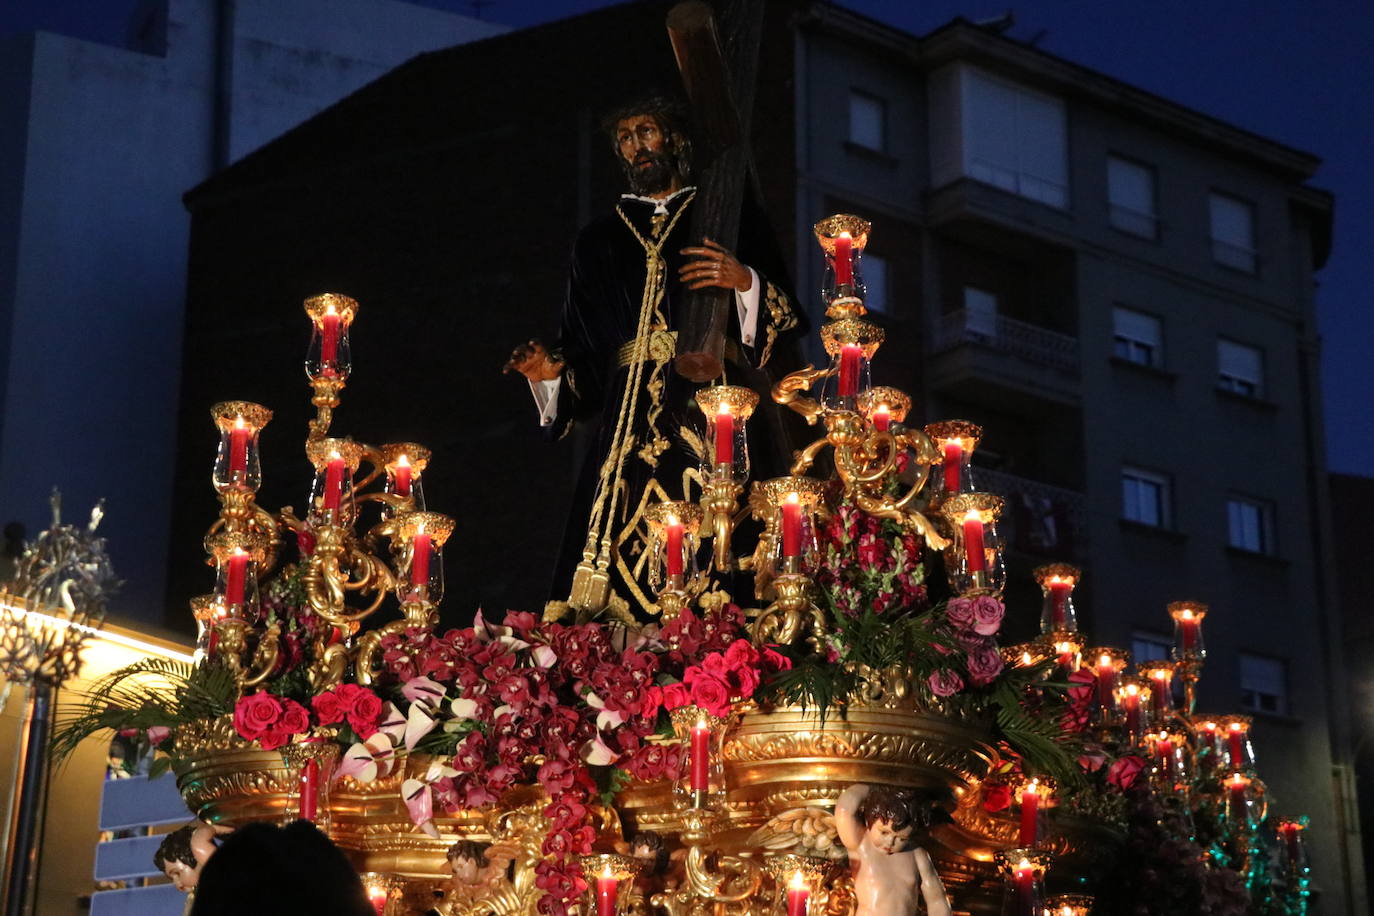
(1124, 771)
(984, 665)
(711, 695)
(987, 615)
(945, 682)
(328, 709)
(158, 734)
(255, 714)
(960, 612)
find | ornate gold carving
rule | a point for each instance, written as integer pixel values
(829, 229)
(847, 332)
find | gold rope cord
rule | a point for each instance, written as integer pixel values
(592, 578)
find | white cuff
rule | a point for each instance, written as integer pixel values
(546, 399)
(748, 304)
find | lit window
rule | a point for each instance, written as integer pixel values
(1250, 524)
(1137, 337)
(1014, 138)
(1263, 684)
(1145, 497)
(1240, 368)
(1131, 197)
(875, 282)
(1233, 232)
(867, 120)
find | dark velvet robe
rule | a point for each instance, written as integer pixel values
(600, 316)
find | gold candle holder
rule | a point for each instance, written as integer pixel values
(955, 442)
(974, 563)
(331, 494)
(842, 238)
(1107, 664)
(1057, 582)
(1133, 702)
(1069, 905)
(1233, 736)
(674, 535)
(1023, 869)
(884, 406)
(420, 537)
(609, 878)
(702, 786)
(238, 465)
(1067, 648)
(405, 464)
(1160, 675)
(850, 344)
(328, 355)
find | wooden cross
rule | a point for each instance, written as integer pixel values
(719, 82)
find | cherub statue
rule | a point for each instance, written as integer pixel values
(876, 824)
(477, 877)
(652, 879)
(183, 853)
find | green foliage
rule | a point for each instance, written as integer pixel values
(609, 782)
(151, 692)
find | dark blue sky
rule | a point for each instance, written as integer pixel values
(1301, 73)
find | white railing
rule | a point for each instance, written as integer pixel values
(1007, 335)
(1038, 518)
(134, 806)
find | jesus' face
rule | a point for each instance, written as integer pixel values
(643, 147)
(888, 840)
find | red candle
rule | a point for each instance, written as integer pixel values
(1024, 881)
(725, 435)
(954, 457)
(1164, 746)
(844, 259)
(1130, 700)
(797, 895)
(333, 481)
(1161, 693)
(402, 477)
(672, 550)
(701, 756)
(791, 526)
(238, 448)
(849, 370)
(1290, 831)
(973, 541)
(1187, 630)
(882, 418)
(329, 338)
(1236, 737)
(1068, 656)
(606, 887)
(235, 577)
(419, 559)
(377, 896)
(1059, 601)
(1106, 681)
(310, 790)
(1030, 815)
(1236, 785)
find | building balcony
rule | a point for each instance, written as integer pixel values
(1039, 520)
(978, 356)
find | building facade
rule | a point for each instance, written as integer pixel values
(97, 144)
(1119, 289)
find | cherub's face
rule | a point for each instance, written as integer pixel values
(643, 852)
(464, 869)
(888, 840)
(183, 876)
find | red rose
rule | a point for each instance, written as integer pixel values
(272, 739)
(295, 719)
(711, 695)
(996, 796)
(366, 711)
(744, 681)
(327, 707)
(675, 695)
(255, 714)
(773, 662)
(741, 654)
(1124, 771)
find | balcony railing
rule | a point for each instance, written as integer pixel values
(1007, 335)
(1039, 519)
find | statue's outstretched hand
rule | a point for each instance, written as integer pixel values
(714, 265)
(533, 360)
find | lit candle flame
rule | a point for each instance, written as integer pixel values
(798, 883)
(1023, 865)
(1210, 726)
(973, 515)
(1105, 661)
(239, 551)
(724, 410)
(672, 520)
(606, 872)
(1132, 689)
(1236, 726)
(1033, 787)
(334, 455)
(402, 461)
(845, 235)
(238, 422)
(1026, 660)
(1186, 614)
(793, 498)
(701, 724)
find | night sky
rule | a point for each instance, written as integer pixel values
(1300, 73)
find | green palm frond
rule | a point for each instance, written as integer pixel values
(150, 692)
